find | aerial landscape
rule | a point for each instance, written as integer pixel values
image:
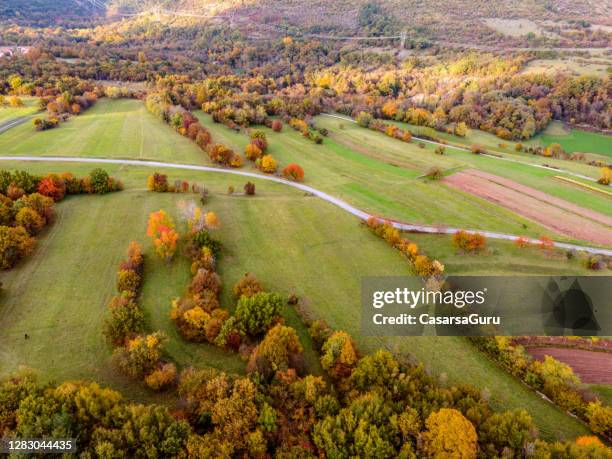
(193, 194)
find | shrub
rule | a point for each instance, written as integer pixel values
(15, 244)
(53, 187)
(546, 243)
(30, 220)
(364, 119)
(256, 313)
(600, 418)
(440, 150)
(100, 181)
(252, 152)
(605, 176)
(128, 281)
(205, 280)
(247, 286)
(277, 126)
(339, 355)
(14, 192)
(162, 377)
(260, 140)
(294, 172)
(268, 164)
(435, 173)
(140, 357)
(125, 322)
(469, 242)
(477, 149)
(158, 183)
(249, 189)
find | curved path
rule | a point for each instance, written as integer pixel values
(457, 147)
(13, 122)
(321, 194)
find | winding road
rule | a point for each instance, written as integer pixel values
(300, 186)
(12, 123)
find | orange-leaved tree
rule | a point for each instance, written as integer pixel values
(161, 230)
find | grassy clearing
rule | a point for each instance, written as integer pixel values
(111, 128)
(574, 140)
(497, 145)
(30, 106)
(514, 27)
(383, 183)
(604, 391)
(367, 141)
(293, 243)
(575, 66)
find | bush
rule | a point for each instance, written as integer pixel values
(253, 152)
(247, 286)
(255, 314)
(277, 126)
(140, 357)
(15, 244)
(364, 119)
(158, 183)
(605, 176)
(477, 149)
(434, 173)
(162, 377)
(30, 220)
(440, 150)
(128, 281)
(100, 181)
(294, 172)
(267, 164)
(249, 189)
(125, 322)
(469, 242)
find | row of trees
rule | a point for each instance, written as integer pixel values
(27, 202)
(136, 354)
(555, 379)
(422, 265)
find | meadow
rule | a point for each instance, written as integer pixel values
(384, 181)
(574, 140)
(111, 128)
(30, 106)
(294, 243)
(369, 142)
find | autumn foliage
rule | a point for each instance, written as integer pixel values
(294, 172)
(469, 242)
(161, 230)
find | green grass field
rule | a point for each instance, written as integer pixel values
(370, 142)
(384, 183)
(292, 242)
(575, 140)
(30, 106)
(111, 128)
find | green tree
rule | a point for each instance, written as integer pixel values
(256, 313)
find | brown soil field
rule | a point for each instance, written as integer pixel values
(592, 367)
(561, 216)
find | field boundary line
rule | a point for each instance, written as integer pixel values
(583, 185)
(410, 227)
(460, 148)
